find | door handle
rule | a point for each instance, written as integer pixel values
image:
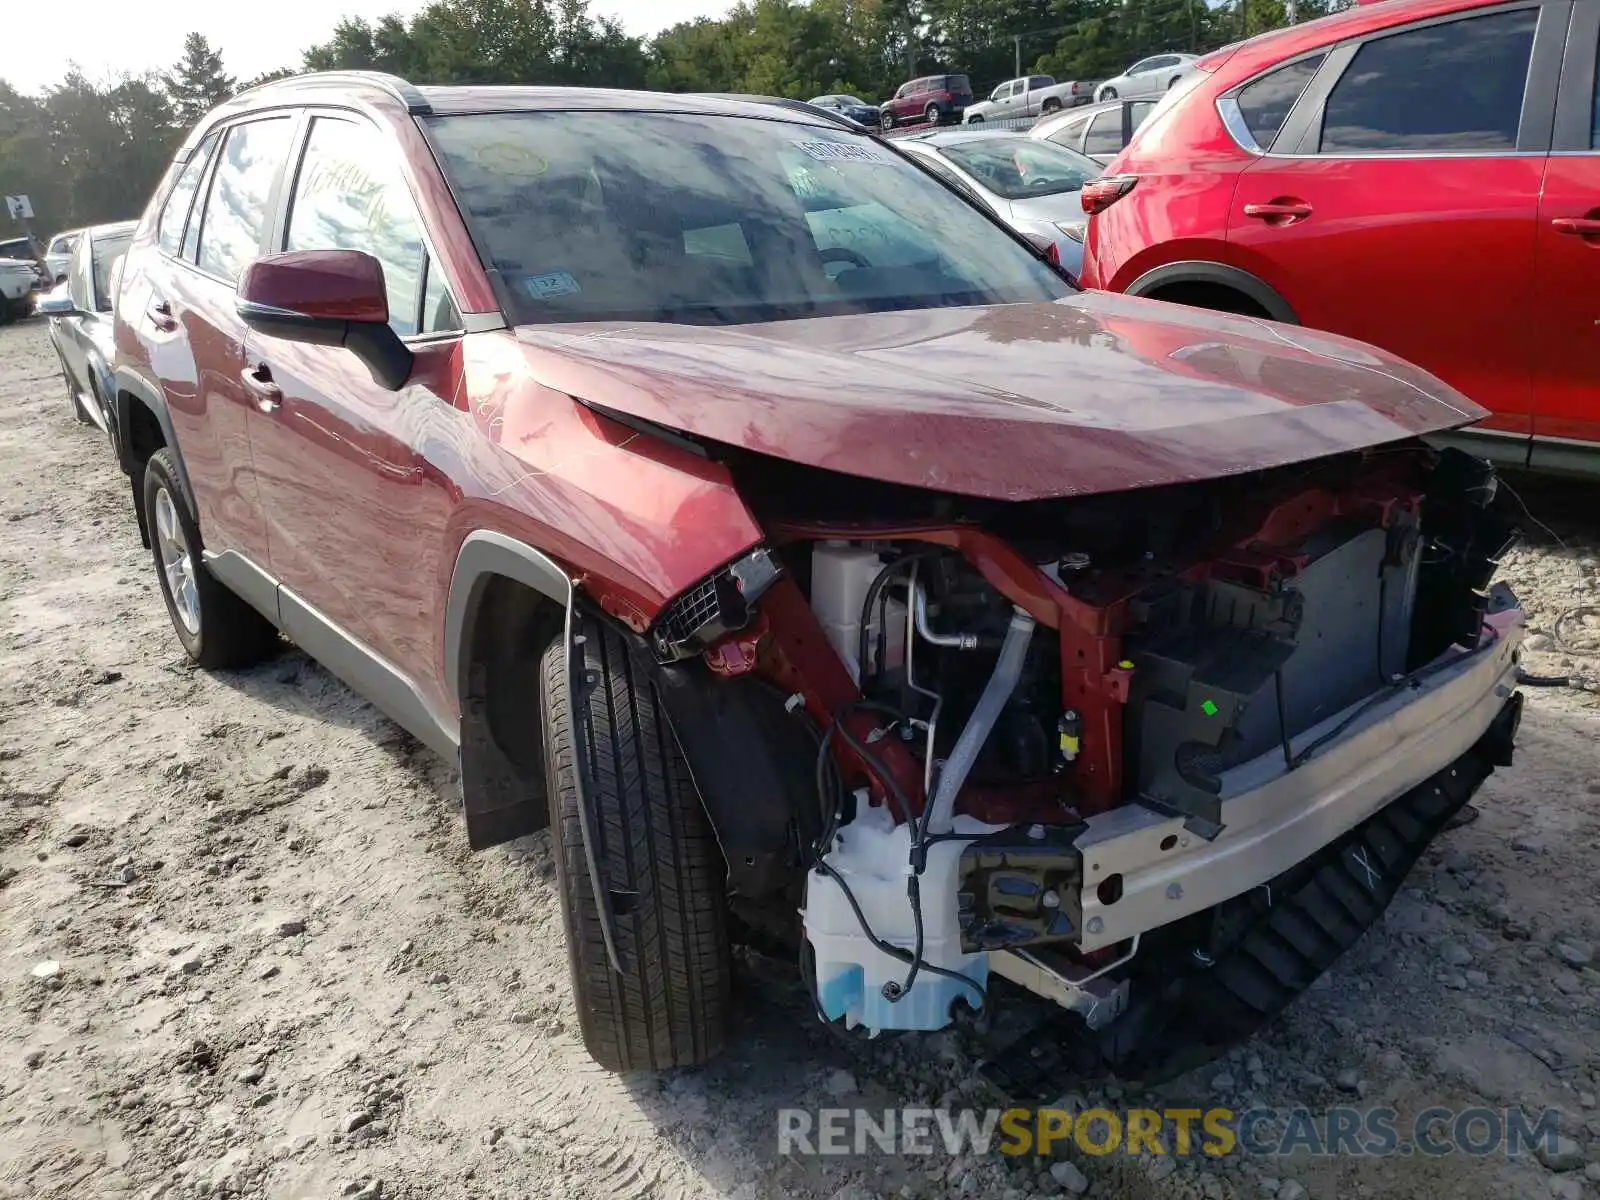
(1279, 212)
(258, 382)
(1585, 227)
(160, 314)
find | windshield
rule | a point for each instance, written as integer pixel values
(720, 220)
(1019, 168)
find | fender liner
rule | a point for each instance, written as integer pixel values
(498, 801)
(1200, 271)
(752, 762)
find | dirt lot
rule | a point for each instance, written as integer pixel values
(244, 950)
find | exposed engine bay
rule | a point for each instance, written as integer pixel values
(992, 690)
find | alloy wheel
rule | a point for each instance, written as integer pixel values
(177, 563)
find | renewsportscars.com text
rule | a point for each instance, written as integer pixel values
(1212, 1132)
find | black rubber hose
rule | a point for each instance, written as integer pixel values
(1528, 680)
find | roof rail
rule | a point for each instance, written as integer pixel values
(402, 90)
(799, 106)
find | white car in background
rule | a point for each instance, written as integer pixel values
(58, 256)
(1031, 185)
(1148, 77)
(1028, 96)
(17, 280)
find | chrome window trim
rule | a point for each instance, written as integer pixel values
(1233, 121)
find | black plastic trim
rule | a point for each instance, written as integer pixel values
(1574, 122)
(1201, 271)
(131, 387)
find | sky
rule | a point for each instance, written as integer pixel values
(105, 37)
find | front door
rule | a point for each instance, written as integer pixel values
(1402, 210)
(355, 519)
(1567, 370)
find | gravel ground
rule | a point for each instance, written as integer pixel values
(244, 950)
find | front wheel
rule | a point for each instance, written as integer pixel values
(657, 858)
(217, 628)
(886, 120)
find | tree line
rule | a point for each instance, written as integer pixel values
(91, 150)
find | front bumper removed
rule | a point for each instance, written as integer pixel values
(1212, 981)
(1143, 870)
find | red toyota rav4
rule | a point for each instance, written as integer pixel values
(1420, 174)
(647, 454)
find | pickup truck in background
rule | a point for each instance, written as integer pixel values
(1030, 96)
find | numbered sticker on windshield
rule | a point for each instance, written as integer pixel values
(552, 285)
(842, 152)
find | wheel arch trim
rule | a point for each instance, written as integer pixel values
(485, 555)
(1201, 271)
(130, 387)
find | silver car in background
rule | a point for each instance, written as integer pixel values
(81, 321)
(1029, 184)
(1099, 131)
(1147, 77)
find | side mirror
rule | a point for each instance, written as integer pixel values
(56, 303)
(326, 298)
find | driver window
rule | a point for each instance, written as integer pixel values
(78, 283)
(348, 195)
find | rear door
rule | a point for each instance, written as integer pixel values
(1567, 308)
(355, 518)
(197, 338)
(1396, 198)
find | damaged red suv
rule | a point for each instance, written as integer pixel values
(795, 543)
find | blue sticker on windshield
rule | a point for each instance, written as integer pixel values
(549, 287)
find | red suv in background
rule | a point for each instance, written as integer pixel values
(1420, 174)
(929, 100)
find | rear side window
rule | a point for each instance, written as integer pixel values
(175, 213)
(1069, 135)
(1265, 103)
(1105, 133)
(1456, 86)
(350, 195)
(236, 208)
(1141, 110)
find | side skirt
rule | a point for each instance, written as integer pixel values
(365, 671)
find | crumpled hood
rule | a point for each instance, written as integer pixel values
(1096, 393)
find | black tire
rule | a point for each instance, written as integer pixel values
(886, 120)
(1109, 93)
(227, 632)
(1173, 82)
(72, 398)
(932, 115)
(1051, 105)
(975, 119)
(657, 855)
